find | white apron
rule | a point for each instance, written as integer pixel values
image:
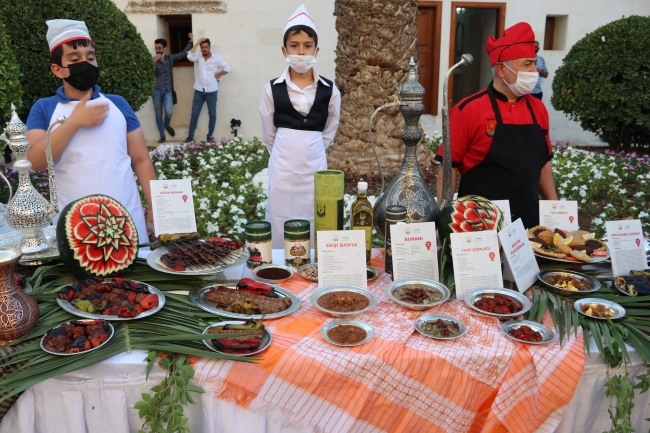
(295, 156)
(96, 161)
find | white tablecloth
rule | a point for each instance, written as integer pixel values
(100, 398)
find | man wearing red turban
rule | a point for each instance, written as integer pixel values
(499, 136)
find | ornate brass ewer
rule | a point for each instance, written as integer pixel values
(408, 188)
(18, 311)
(28, 211)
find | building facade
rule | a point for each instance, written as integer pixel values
(248, 35)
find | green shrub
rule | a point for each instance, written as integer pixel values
(604, 82)
(124, 61)
(10, 89)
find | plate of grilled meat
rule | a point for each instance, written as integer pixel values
(245, 299)
(187, 254)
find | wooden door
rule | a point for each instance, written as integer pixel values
(429, 22)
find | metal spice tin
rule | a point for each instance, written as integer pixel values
(258, 243)
(296, 243)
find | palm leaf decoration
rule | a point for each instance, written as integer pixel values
(177, 328)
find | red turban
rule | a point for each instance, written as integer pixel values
(517, 42)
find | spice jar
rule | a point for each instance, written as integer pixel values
(296, 243)
(258, 243)
(394, 215)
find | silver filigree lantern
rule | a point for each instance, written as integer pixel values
(28, 211)
(408, 187)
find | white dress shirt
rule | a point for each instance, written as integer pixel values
(302, 100)
(204, 71)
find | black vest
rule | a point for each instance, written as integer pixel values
(286, 116)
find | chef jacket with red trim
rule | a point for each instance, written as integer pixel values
(472, 123)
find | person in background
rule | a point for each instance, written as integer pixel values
(543, 73)
(300, 116)
(162, 92)
(101, 143)
(499, 135)
(208, 71)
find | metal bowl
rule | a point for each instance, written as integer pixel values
(268, 280)
(266, 339)
(594, 283)
(320, 292)
(374, 271)
(305, 267)
(111, 332)
(615, 308)
(547, 334)
(325, 329)
(439, 287)
(462, 328)
(473, 295)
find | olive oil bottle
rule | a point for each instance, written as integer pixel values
(362, 216)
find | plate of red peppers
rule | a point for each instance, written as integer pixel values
(110, 299)
(527, 331)
(497, 301)
(77, 337)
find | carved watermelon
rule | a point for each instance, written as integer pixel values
(96, 237)
(471, 213)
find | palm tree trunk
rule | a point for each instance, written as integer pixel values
(376, 39)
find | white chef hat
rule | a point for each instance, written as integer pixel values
(300, 18)
(60, 32)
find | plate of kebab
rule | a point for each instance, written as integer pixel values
(77, 337)
(567, 246)
(187, 254)
(110, 299)
(245, 299)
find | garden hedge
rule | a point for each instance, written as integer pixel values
(604, 82)
(124, 60)
(10, 88)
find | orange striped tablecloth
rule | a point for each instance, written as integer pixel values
(400, 381)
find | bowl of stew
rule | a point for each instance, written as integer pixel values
(343, 301)
(417, 293)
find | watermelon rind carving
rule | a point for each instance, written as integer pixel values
(471, 213)
(96, 237)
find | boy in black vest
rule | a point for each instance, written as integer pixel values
(300, 115)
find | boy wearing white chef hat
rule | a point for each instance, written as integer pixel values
(101, 143)
(300, 115)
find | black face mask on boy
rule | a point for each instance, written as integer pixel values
(83, 75)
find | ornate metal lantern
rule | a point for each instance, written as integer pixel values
(28, 211)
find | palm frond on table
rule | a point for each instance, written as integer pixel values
(176, 328)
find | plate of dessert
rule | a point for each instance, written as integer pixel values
(637, 283)
(245, 299)
(577, 246)
(600, 309)
(568, 283)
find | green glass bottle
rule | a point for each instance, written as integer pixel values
(362, 216)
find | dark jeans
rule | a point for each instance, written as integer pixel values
(162, 100)
(209, 98)
(537, 95)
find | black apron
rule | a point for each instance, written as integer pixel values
(512, 167)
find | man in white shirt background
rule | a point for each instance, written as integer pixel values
(208, 71)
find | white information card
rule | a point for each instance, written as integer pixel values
(476, 260)
(625, 242)
(414, 251)
(342, 258)
(558, 214)
(520, 264)
(173, 207)
(504, 205)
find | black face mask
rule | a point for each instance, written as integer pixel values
(83, 75)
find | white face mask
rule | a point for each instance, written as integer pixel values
(525, 83)
(300, 64)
